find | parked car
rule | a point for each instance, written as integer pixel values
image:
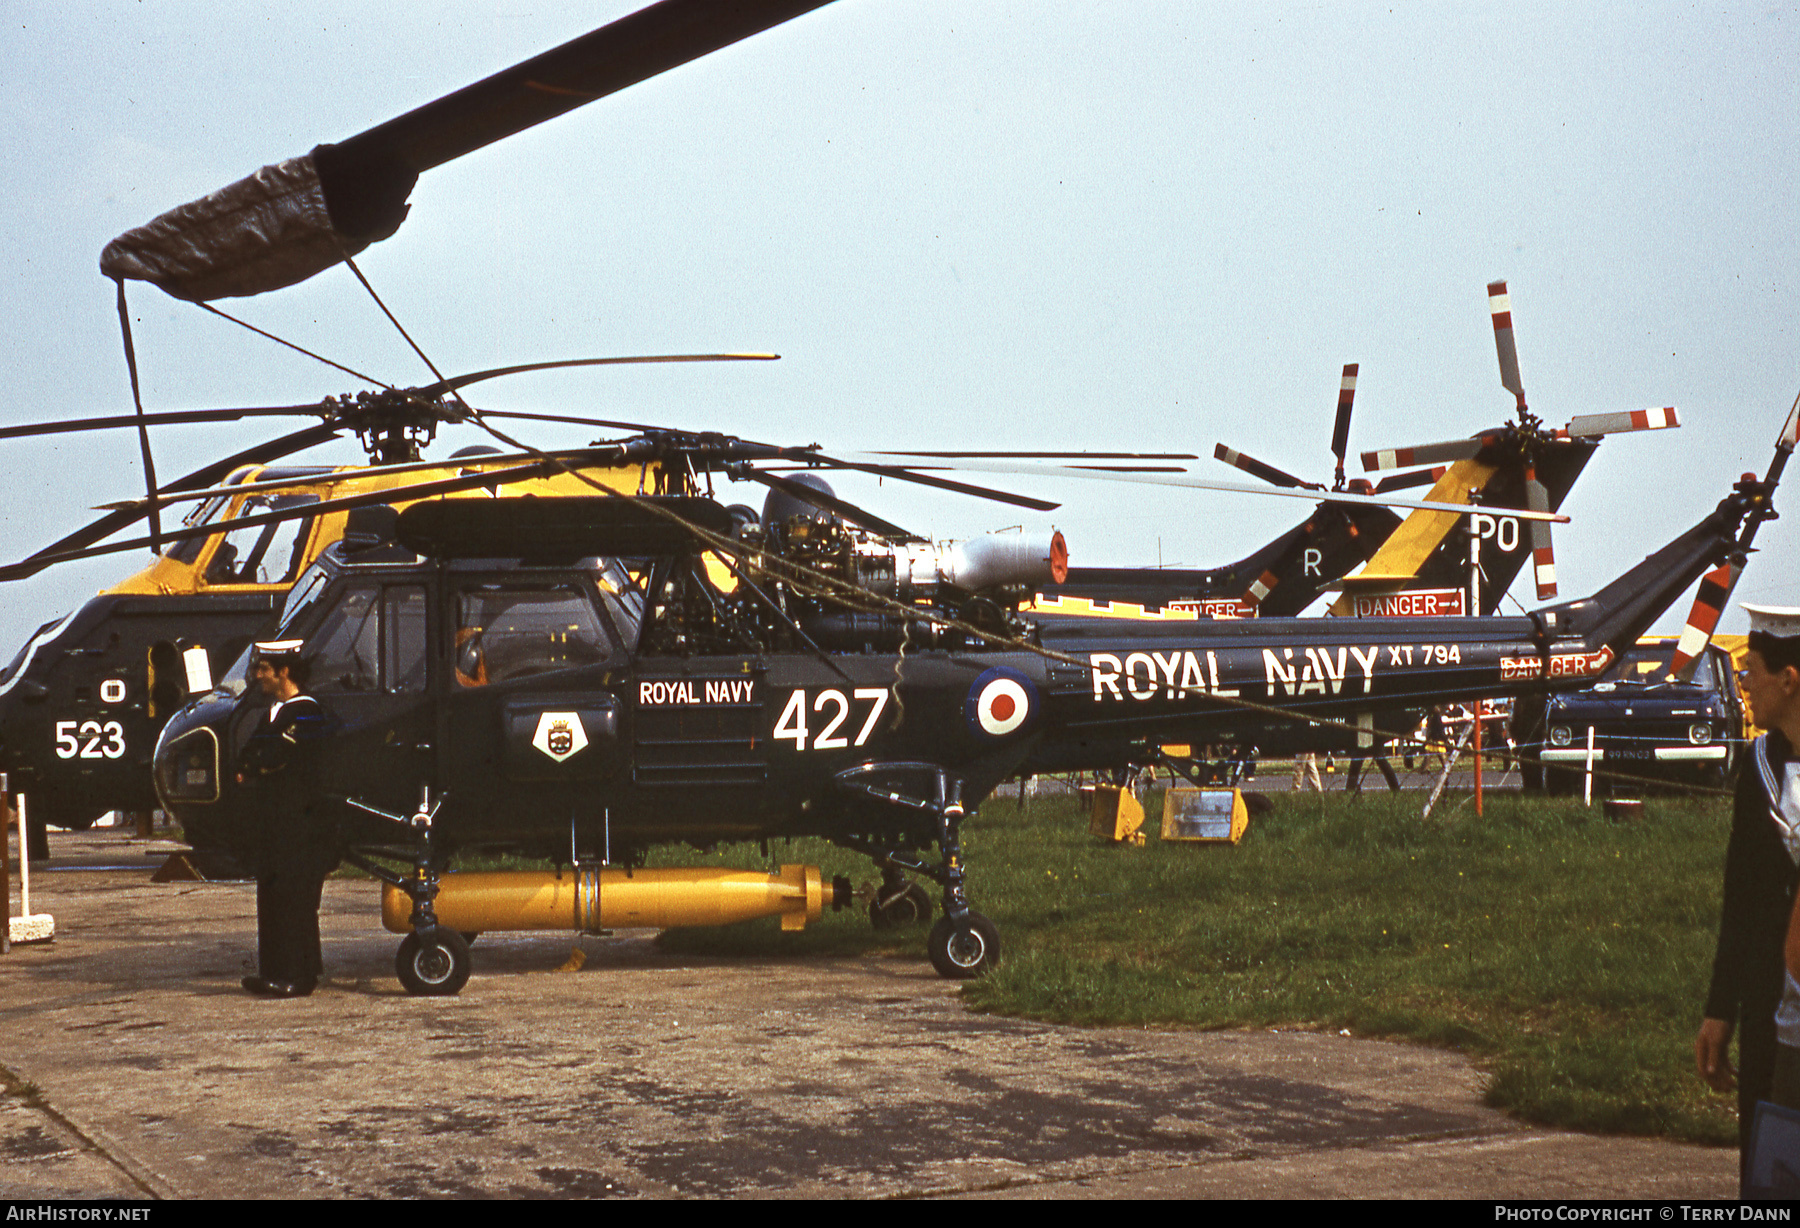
(1645, 723)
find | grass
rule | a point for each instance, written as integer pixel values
(1566, 954)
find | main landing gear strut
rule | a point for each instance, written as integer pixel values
(433, 961)
(963, 943)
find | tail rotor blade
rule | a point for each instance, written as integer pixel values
(1340, 431)
(1267, 472)
(1709, 603)
(1588, 425)
(1261, 588)
(1500, 306)
(1717, 585)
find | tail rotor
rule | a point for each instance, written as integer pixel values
(1717, 586)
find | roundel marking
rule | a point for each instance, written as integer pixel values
(1001, 702)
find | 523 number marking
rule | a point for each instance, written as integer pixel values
(89, 740)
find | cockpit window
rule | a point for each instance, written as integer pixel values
(300, 597)
(346, 649)
(622, 593)
(236, 677)
(506, 631)
(373, 640)
(188, 549)
(265, 553)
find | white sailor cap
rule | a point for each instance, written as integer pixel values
(1782, 622)
(277, 650)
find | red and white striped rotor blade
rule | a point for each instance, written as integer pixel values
(1261, 588)
(1340, 430)
(1418, 477)
(1262, 469)
(1543, 555)
(1709, 603)
(1790, 430)
(1584, 426)
(1500, 307)
(1424, 454)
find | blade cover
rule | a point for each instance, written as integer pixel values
(299, 217)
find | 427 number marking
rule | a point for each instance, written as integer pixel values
(834, 706)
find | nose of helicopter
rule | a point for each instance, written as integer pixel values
(191, 768)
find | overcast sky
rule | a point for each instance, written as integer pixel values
(972, 225)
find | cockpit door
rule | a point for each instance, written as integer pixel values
(369, 671)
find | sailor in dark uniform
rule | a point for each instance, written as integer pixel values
(1760, 874)
(294, 844)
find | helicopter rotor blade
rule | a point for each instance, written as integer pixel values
(207, 475)
(636, 427)
(1261, 469)
(873, 463)
(1195, 483)
(1543, 555)
(581, 458)
(476, 377)
(1425, 454)
(831, 503)
(633, 49)
(1716, 586)
(429, 392)
(1260, 588)
(1340, 431)
(1500, 307)
(57, 554)
(175, 417)
(1586, 426)
(1403, 481)
(317, 210)
(1710, 601)
(1097, 456)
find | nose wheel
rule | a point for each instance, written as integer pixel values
(963, 943)
(433, 963)
(963, 949)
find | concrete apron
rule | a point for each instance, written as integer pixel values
(652, 1075)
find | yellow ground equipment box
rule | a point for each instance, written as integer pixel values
(1117, 816)
(1212, 816)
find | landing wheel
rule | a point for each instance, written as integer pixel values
(433, 965)
(911, 906)
(960, 951)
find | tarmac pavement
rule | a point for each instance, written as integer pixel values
(136, 1067)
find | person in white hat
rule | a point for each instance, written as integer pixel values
(295, 845)
(1761, 872)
